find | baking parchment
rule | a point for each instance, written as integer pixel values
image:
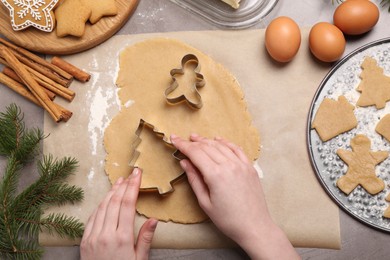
(278, 97)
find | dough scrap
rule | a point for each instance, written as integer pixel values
(142, 80)
(361, 166)
(333, 118)
(383, 127)
(375, 86)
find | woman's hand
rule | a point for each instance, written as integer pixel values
(109, 233)
(229, 190)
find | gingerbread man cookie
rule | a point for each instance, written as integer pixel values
(375, 86)
(361, 166)
(333, 118)
(35, 13)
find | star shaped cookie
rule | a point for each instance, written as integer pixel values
(71, 18)
(35, 13)
(100, 8)
(361, 163)
(375, 86)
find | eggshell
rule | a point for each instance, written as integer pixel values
(282, 39)
(356, 17)
(326, 41)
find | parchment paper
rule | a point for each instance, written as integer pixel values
(278, 98)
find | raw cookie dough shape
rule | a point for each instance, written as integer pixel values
(375, 86)
(142, 79)
(383, 127)
(333, 118)
(185, 83)
(152, 180)
(361, 166)
(180, 206)
(35, 13)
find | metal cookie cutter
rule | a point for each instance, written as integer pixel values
(135, 154)
(199, 82)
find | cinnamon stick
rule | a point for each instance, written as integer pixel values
(10, 73)
(30, 82)
(79, 74)
(18, 88)
(37, 59)
(47, 83)
(21, 90)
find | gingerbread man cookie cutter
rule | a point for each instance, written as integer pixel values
(135, 155)
(199, 82)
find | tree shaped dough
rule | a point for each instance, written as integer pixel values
(152, 146)
(375, 86)
(361, 166)
(383, 127)
(333, 118)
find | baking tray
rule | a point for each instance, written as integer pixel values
(250, 12)
(343, 79)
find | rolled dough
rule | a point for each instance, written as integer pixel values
(143, 78)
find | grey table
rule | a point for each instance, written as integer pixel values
(358, 240)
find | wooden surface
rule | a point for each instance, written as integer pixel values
(49, 43)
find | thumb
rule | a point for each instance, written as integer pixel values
(145, 237)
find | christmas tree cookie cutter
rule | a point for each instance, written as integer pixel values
(199, 82)
(135, 155)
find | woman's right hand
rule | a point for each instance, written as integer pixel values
(229, 190)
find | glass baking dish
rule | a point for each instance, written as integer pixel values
(250, 12)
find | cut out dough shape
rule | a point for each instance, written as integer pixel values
(375, 86)
(100, 8)
(383, 127)
(333, 118)
(361, 163)
(143, 77)
(152, 148)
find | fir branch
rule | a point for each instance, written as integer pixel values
(21, 215)
(48, 188)
(15, 139)
(384, 3)
(63, 225)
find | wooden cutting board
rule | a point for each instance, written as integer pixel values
(49, 43)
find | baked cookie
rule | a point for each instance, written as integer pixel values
(361, 166)
(383, 127)
(71, 17)
(333, 118)
(375, 86)
(35, 13)
(100, 8)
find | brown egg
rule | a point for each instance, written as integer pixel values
(356, 17)
(326, 41)
(282, 39)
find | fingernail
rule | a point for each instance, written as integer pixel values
(134, 173)
(173, 138)
(183, 164)
(194, 135)
(154, 223)
(119, 181)
(218, 138)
